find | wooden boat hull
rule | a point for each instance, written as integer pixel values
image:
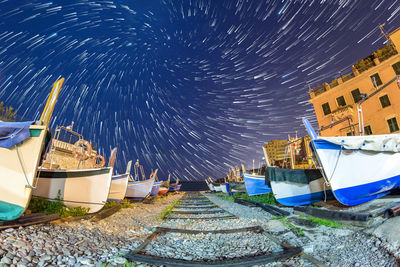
(163, 191)
(87, 188)
(255, 184)
(119, 184)
(298, 187)
(155, 189)
(139, 190)
(16, 175)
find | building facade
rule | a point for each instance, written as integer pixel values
(366, 101)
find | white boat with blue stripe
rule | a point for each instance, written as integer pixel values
(358, 168)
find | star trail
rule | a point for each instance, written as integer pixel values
(191, 87)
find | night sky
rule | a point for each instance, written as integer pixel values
(190, 87)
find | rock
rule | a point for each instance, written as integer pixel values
(85, 261)
(119, 260)
(6, 260)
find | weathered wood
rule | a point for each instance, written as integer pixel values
(30, 219)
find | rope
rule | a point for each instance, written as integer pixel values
(23, 169)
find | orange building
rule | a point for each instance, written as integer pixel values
(370, 95)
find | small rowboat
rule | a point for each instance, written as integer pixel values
(21, 147)
(175, 187)
(163, 190)
(139, 189)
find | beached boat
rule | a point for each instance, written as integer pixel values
(358, 168)
(225, 187)
(21, 148)
(214, 185)
(237, 187)
(74, 187)
(209, 185)
(175, 187)
(164, 187)
(139, 189)
(156, 185)
(255, 184)
(119, 183)
(294, 187)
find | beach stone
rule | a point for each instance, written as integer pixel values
(85, 261)
(119, 260)
(6, 260)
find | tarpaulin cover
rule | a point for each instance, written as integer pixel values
(12, 133)
(379, 143)
(300, 176)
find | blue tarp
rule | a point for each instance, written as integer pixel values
(12, 133)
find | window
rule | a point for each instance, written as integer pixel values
(349, 133)
(326, 108)
(377, 79)
(396, 68)
(393, 127)
(356, 95)
(384, 101)
(368, 130)
(340, 101)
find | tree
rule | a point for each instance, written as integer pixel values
(6, 113)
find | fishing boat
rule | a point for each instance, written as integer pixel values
(297, 184)
(237, 187)
(21, 148)
(164, 187)
(210, 185)
(358, 168)
(216, 186)
(119, 184)
(139, 189)
(156, 185)
(255, 183)
(225, 187)
(175, 187)
(71, 173)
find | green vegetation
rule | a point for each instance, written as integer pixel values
(297, 230)
(166, 213)
(268, 199)
(6, 113)
(327, 223)
(38, 204)
(110, 204)
(277, 218)
(125, 204)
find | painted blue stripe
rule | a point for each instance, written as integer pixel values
(356, 195)
(322, 144)
(305, 199)
(256, 186)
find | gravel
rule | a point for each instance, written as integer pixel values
(211, 246)
(86, 243)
